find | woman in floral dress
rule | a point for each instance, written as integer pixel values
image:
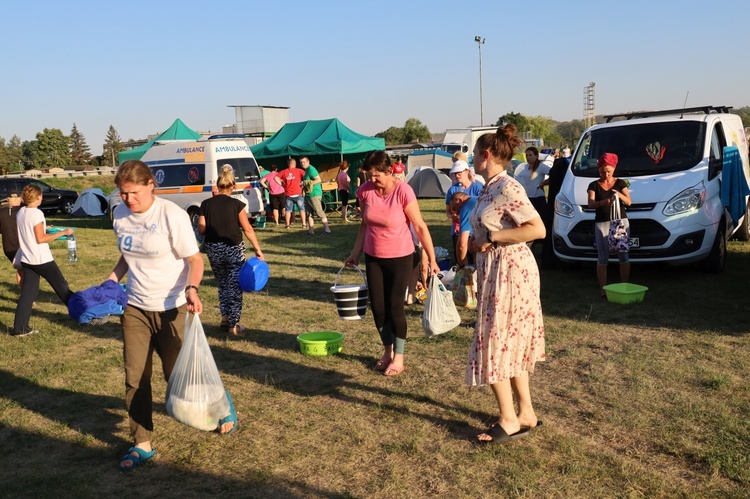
(509, 335)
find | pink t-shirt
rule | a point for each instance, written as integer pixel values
(387, 234)
(342, 179)
(273, 186)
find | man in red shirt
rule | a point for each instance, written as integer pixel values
(291, 180)
(398, 169)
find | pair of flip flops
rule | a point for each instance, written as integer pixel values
(384, 367)
(500, 436)
(232, 418)
(135, 460)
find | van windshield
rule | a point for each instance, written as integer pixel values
(645, 149)
(245, 169)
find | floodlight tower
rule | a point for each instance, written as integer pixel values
(589, 108)
(480, 42)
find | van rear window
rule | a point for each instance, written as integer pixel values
(179, 175)
(643, 149)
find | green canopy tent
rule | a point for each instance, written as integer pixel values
(316, 138)
(326, 142)
(178, 131)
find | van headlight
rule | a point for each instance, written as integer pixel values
(563, 207)
(688, 200)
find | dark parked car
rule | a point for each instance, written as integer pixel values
(53, 199)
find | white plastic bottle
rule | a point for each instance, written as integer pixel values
(72, 253)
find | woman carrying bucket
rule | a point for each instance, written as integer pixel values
(388, 205)
(225, 247)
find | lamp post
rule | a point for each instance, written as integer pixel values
(480, 42)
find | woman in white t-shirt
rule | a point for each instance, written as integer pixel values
(36, 259)
(164, 268)
(532, 176)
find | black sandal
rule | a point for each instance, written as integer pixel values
(499, 436)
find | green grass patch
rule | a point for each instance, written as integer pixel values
(649, 399)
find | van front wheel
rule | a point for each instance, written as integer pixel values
(717, 258)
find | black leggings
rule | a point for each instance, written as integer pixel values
(30, 290)
(387, 280)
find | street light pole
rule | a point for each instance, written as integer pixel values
(480, 42)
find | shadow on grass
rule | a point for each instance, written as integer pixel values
(86, 413)
(681, 298)
(48, 467)
(309, 381)
(291, 288)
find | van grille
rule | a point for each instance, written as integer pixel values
(632, 207)
(650, 232)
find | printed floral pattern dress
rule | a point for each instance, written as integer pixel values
(509, 335)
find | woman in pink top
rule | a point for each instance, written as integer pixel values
(343, 181)
(275, 192)
(388, 205)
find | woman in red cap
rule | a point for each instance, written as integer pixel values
(602, 196)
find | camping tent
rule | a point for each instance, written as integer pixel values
(91, 203)
(433, 158)
(316, 138)
(430, 183)
(178, 131)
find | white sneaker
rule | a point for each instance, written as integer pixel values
(25, 332)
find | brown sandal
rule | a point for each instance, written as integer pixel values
(236, 330)
(382, 364)
(393, 371)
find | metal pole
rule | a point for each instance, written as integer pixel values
(480, 42)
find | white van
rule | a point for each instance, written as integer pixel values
(673, 160)
(186, 171)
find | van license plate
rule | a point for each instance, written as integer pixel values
(635, 242)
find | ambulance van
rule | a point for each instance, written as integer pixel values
(675, 163)
(186, 171)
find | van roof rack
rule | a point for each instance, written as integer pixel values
(226, 136)
(666, 112)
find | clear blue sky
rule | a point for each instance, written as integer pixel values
(138, 65)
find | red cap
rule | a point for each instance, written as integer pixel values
(608, 159)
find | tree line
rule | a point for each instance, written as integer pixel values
(553, 133)
(53, 149)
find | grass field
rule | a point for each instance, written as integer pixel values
(642, 400)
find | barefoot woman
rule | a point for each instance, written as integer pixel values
(388, 205)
